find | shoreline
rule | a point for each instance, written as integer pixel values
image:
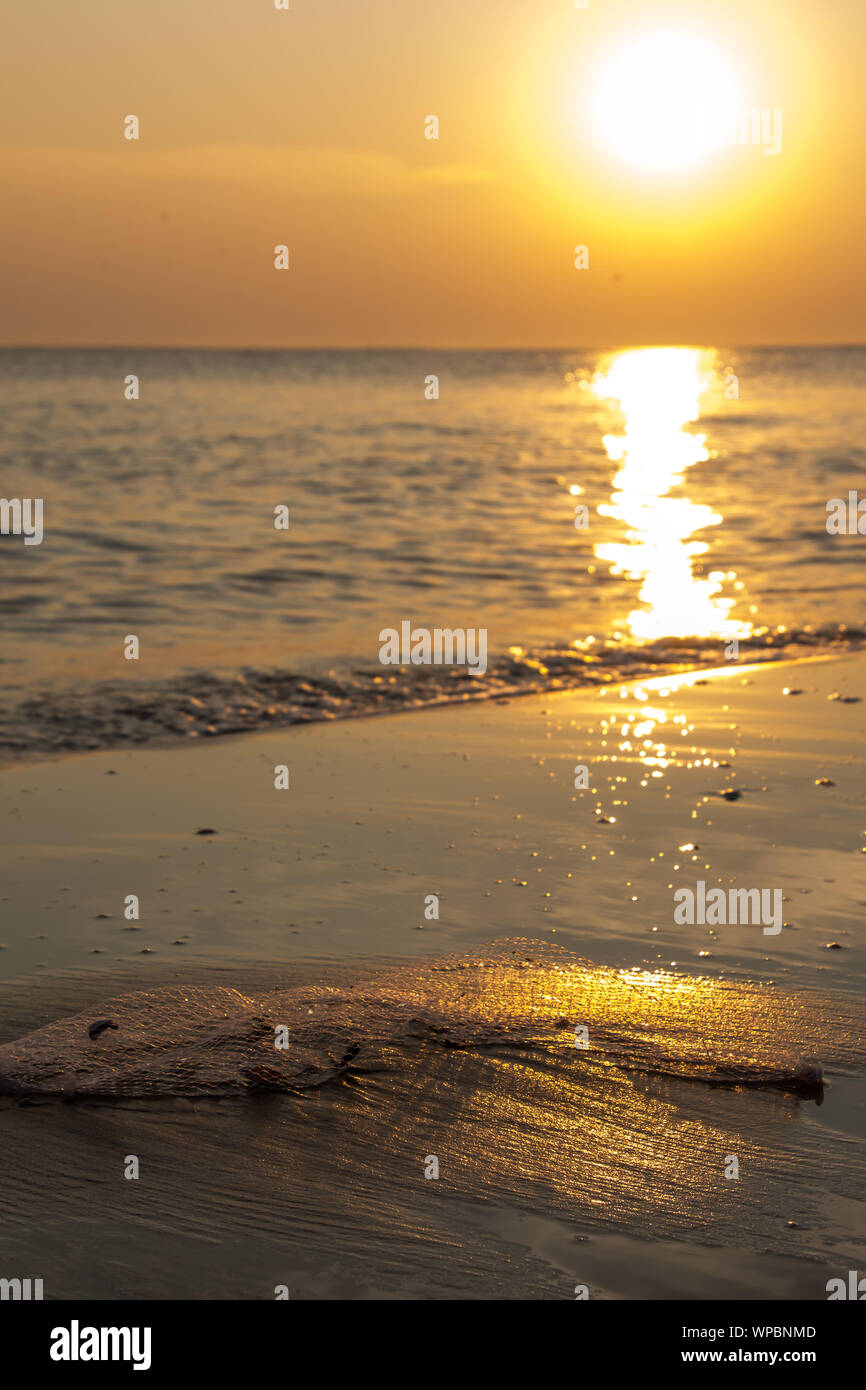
(176, 709)
(145, 807)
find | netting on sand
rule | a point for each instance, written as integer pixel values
(212, 1040)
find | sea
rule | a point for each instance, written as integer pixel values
(256, 520)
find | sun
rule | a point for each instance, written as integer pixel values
(665, 103)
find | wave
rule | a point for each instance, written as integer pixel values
(217, 1041)
(206, 704)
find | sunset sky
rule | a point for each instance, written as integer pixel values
(306, 127)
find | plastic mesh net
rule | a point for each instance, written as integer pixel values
(212, 1040)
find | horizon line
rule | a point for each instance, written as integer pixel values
(409, 347)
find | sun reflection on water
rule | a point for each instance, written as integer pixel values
(659, 391)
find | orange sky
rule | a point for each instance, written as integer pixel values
(261, 127)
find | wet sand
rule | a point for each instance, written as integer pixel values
(617, 1184)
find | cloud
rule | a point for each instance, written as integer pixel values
(305, 173)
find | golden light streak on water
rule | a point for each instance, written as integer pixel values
(659, 392)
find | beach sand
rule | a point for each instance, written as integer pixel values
(543, 1185)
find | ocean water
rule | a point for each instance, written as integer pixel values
(705, 474)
